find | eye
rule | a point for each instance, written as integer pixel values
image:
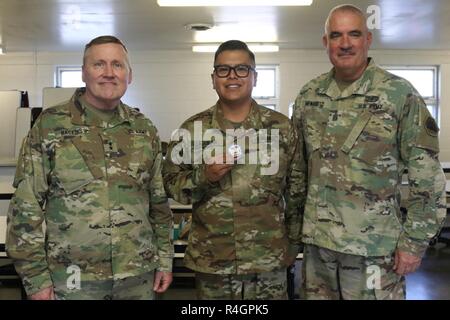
(117, 65)
(356, 34)
(334, 35)
(222, 69)
(98, 64)
(242, 68)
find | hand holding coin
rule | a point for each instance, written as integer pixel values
(219, 168)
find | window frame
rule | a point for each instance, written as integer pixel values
(59, 71)
(270, 100)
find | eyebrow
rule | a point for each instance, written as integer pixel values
(335, 33)
(105, 61)
(233, 65)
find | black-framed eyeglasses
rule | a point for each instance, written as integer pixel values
(241, 70)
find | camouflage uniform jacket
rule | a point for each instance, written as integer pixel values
(98, 188)
(358, 144)
(247, 222)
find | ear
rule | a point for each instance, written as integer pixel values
(130, 76)
(212, 80)
(325, 41)
(255, 79)
(83, 71)
(369, 39)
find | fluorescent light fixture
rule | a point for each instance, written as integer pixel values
(76, 27)
(247, 32)
(252, 47)
(232, 3)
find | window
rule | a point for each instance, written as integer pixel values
(69, 77)
(266, 90)
(425, 80)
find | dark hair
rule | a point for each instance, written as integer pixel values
(234, 45)
(102, 40)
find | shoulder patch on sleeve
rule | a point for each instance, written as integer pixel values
(431, 126)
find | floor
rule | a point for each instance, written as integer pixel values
(430, 282)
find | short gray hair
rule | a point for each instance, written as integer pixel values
(103, 40)
(344, 8)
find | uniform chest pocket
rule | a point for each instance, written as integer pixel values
(370, 138)
(71, 168)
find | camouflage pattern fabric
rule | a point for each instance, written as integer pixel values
(358, 144)
(259, 286)
(331, 275)
(247, 222)
(98, 188)
(138, 287)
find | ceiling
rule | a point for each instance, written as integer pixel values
(65, 25)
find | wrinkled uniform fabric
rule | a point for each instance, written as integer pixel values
(247, 222)
(98, 188)
(358, 145)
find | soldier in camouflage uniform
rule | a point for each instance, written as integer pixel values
(363, 127)
(245, 225)
(90, 218)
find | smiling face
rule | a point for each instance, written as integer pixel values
(107, 75)
(347, 41)
(233, 90)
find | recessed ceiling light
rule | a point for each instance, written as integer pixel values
(198, 26)
(252, 47)
(229, 3)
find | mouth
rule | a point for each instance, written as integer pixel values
(233, 86)
(346, 55)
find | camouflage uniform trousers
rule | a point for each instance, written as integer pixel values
(131, 288)
(256, 286)
(328, 274)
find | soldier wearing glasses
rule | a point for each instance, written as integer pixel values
(245, 228)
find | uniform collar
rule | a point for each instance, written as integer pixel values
(361, 86)
(79, 115)
(252, 121)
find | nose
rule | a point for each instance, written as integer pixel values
(345, 43)
(232, 74)
(108, 71)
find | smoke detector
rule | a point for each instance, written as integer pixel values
(198, 26)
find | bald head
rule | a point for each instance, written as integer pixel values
(345, 8)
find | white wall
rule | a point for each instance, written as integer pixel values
(169, 86)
